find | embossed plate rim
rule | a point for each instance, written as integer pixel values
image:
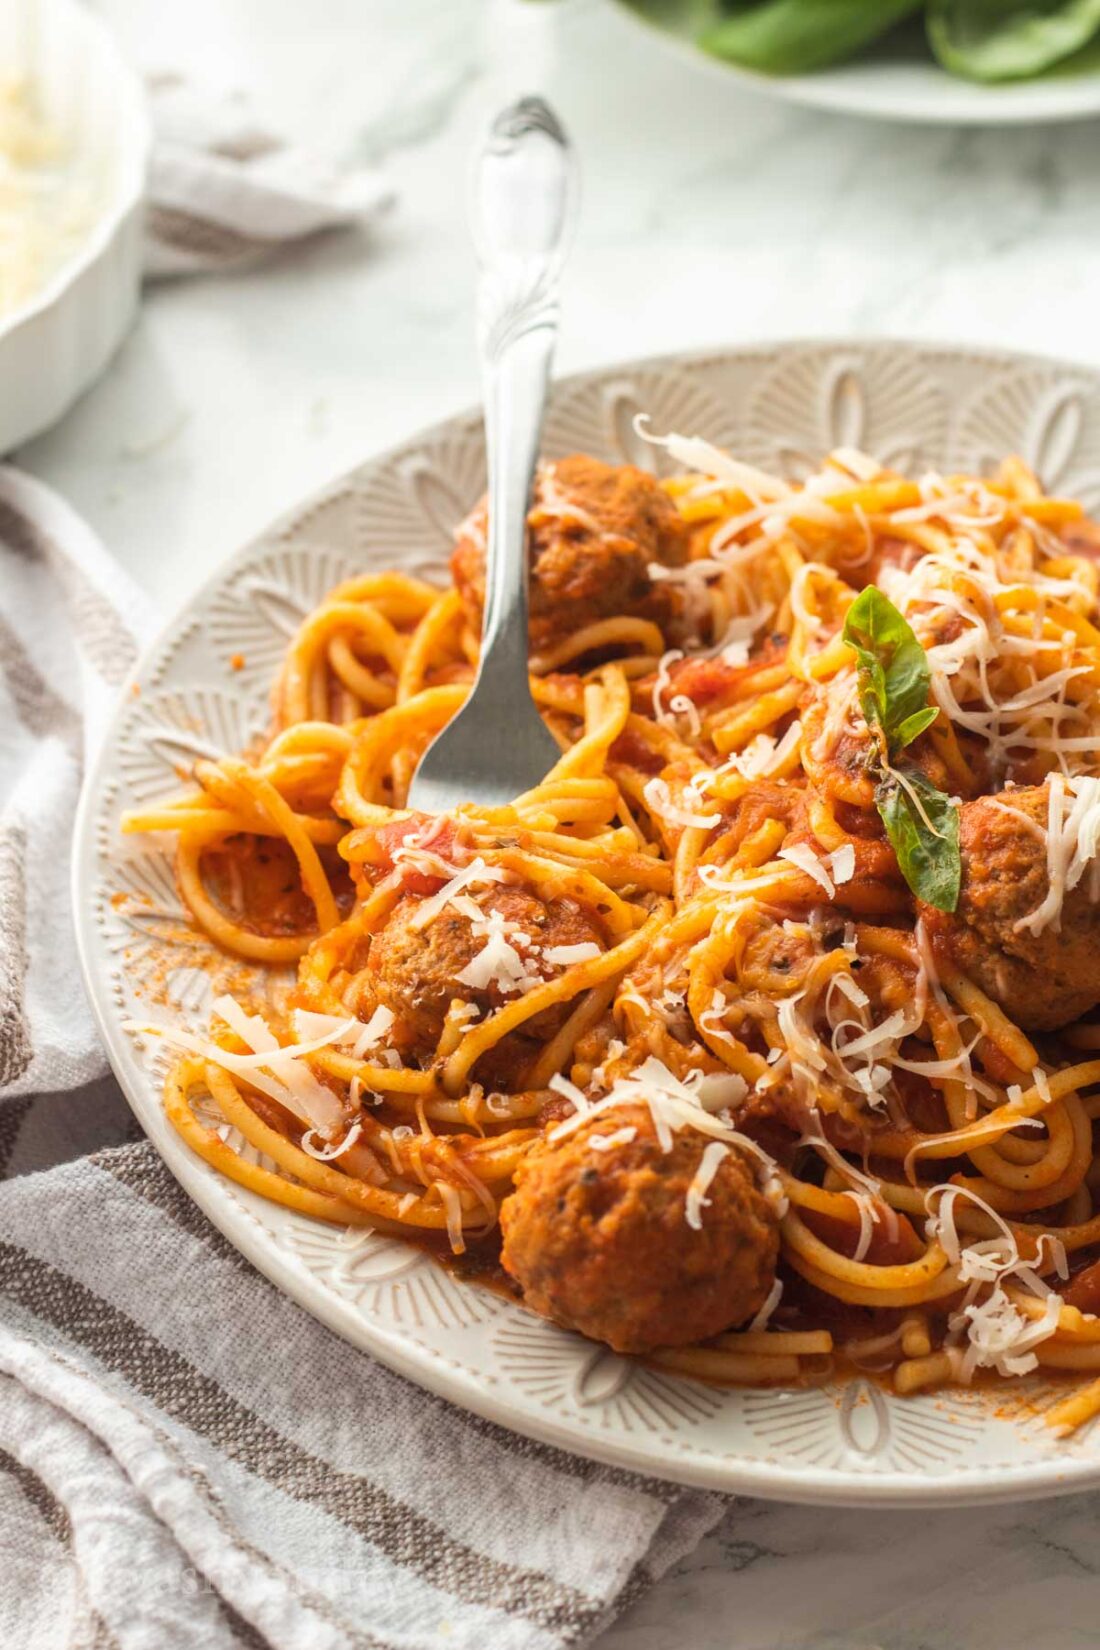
(248, 1222)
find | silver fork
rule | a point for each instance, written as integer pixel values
(524, 193)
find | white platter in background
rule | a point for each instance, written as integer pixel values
(918, 407)
(55, 344)
(889, 82)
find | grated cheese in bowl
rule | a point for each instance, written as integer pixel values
(49, 199)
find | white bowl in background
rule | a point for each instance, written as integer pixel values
(57, 342)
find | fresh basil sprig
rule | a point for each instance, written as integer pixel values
(894, 680)
(894, 677)
(923, 826)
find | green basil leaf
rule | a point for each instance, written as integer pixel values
(861, 632)
(913, 725)
(923, 827)
(797, 36)
(894, 677)
(1009, 39)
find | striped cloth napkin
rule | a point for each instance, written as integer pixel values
(225, 191)
(187, 1459)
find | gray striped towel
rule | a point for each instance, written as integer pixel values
(225, 191)
(187, 1459)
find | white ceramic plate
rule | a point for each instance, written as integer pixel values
(918, 407)
(896, 81)
(60, 339)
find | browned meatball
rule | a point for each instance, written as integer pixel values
(593, 531)
(1043, 980)
(600, 1241)
(413, 971)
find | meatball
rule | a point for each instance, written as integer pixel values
(593, 531)
(413, 971)
(1044, 980)
(600, 1242)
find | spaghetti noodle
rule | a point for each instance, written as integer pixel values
(762, 1025)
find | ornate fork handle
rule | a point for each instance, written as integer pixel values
(524, 194)
(513, 302)
(498, 746)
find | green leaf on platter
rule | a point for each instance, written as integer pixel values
(923, 827)
(798, 36)
(1009, 39)
(894, 677)
(913, 725)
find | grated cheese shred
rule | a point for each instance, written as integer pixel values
(696, 1199)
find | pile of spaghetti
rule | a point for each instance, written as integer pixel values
(762, 1027)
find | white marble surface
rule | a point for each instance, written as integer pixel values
(710, 215)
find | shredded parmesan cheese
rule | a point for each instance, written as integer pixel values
(277, 1071)
(697, 454)
(475, 875)
(564, 956)
(764, 1316)
(325, 1154)
(991, 1331)
(696, 1199)
(1073, 842)
(663, 683)
(353, 1035)
(452, 1205)
(608, 1142)
(763, 756)
(801, 855)
(842, 863)
(659, 798)
(49, 195)
(569, 1091)
(499, 963)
